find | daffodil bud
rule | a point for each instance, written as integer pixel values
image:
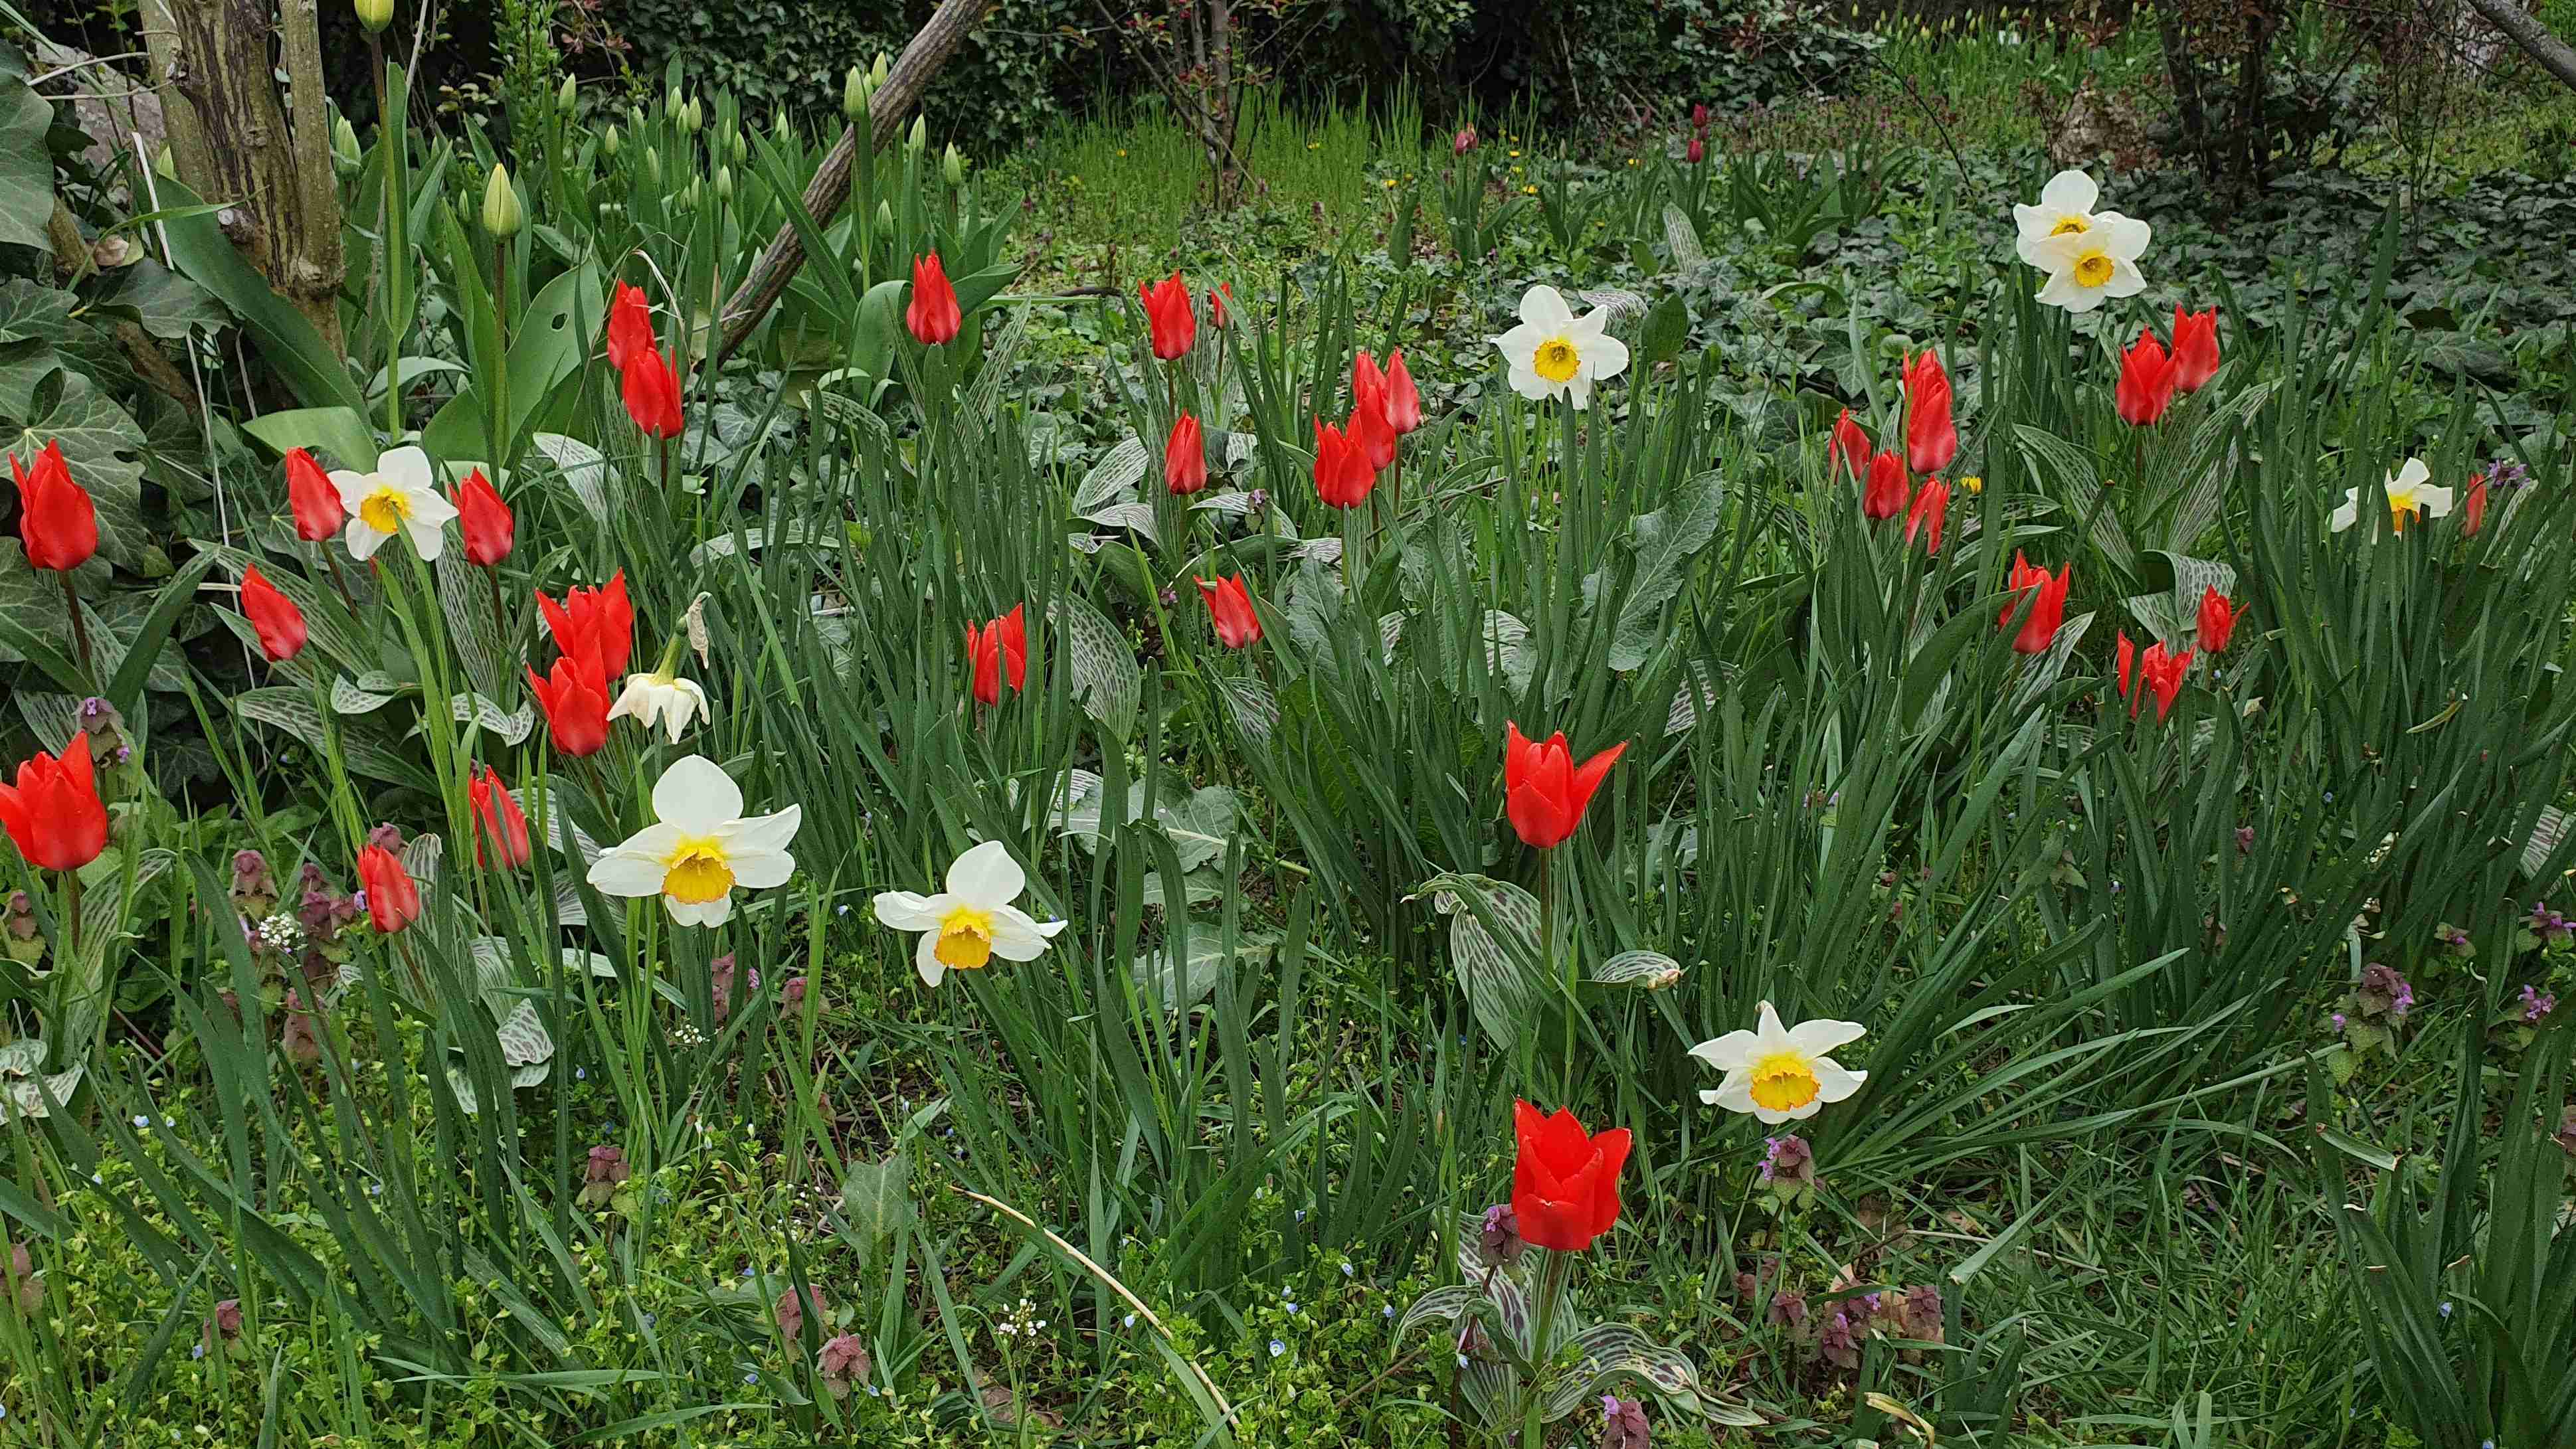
(885, 217)
(741, 148)
(608, 142)
(693, 117)
(920, 136)
(724, 183)
(671, 103)
(375, 15)
(344, 144)
(653, 166)
(952, 164)
(854, 94)
(884, 66)
(567, 95)
(501, 214)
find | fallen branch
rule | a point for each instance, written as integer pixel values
(2524, 28)
(888, 108)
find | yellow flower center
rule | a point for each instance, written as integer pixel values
(697, 872)
(2402, 502)
(2070, 224)
(965, 938)
(385, 509)
(1556, 359)
(1973, 483)
(1784, 1081)
(2093, 269)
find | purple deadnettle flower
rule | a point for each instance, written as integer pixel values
(2537, 1004)
(1500, 1239)
(602, 1174)
(790, 1312)
(843, 1363)
(1623, 1423)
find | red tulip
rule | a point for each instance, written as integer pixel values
(1216, 301)
(502, 825)
(484, 519)
(1849, 447)
(2146, 382)
(2195, 348)
(1695, 150)
(2162, 670)
(53, 814)
(597, 622)
(1229, 606)
(1544, 792)
(1185, 457)
(2217, 621)
(630, 326)
(652, 393)
(1931, 508)
(1369, 434)
(1931, 438)
(1463, 142)
(1169, 316)
(1699, 117)
(393, 898)
(2128, 659)
(1343, 476)
(1565, 1181)
(2473, 509)
(318, 514)
(999, 647)
(279, 623)
(1403, 399)
(2047, 596)
(932, 314)
(55, 515)
(1883, 496)
(575, 700)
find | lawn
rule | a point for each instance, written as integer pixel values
(1814, 776)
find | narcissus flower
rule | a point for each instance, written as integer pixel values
(309, 493)
(1781, 1074)
(279, 624)
(2065, 209)
(55, 516)
(999, 650)
(1229, 606)
(932, 315)
(1403, 399)
(1170, 317)
(1185, 457)
(965, 926)
(1554, 353)
(2047, 597)
(2089, 257)
(501, 827)
(1883, 496)
(401, 496)
(2146, 382)
(663, 698)
(2195, 348)
(2217, 620)
(1565, 1181)
(1931, 508)
(599, 622)
(652, 394)
(484, 520)
(1931, 436)
(2409, 491)
(630, 326)
(700, 846)
(393, 897)
(53, 813)
(574, 697)
(1848, 448)
(1343, 477)
(1544, 792)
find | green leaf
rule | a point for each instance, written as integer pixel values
(166, 304)
(33, 312)
(26, 165)
(341, 432)
(127, 686)
(284, 338)
(1667, 329)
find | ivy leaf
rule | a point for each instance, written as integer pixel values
(26, 165)
(165, 303)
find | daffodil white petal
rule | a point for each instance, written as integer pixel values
(1820, 1036)
(763, 834)
(1018, 937)
(1543, 307)
(925, 958)
(1732, 1052)
(2436, 502)
(624, 872)
(696, 795)
(905, 911)
(1735, 1094)
(2413, 473)
(1834, 1082)
(702, 913)
(407, 469)
(2347, 515)
(987, 876)
(363, 541)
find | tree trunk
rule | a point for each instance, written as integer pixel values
(2526, 30)
(830, 188)
(233, 144)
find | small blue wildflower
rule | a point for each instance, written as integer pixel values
(169, 1122)
(581, 1074)
(648, 1320)
(1388, 1311)
(1301, 1215)
(1462, 1360)
(2446, 1310)
(751, 1376)
(1348, 1270)
(142, 1121)
(197, 1352)
(1277, 1348)
(1131, 1320)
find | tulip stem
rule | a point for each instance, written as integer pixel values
(1551, 1288)
(1547, 957)
(80, 632)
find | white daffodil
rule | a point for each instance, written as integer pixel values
(2065, 209)
(666, 698)
(1554, 353)
(401, 496)
(2410, 490)
(2087, 267)
(1781, 1074)
(699, 847)
(965, 926)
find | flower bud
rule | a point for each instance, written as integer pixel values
(567, 95)
(884, 67)
(854, 94)
(671, 103)
(653, 166)
(375, 15)
(344, 145)
(952, 165)
(919, 137)
(693, 116)
(885, 217)
(1464, 142)
(724, 183)
(608, 143)
(500, 204)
